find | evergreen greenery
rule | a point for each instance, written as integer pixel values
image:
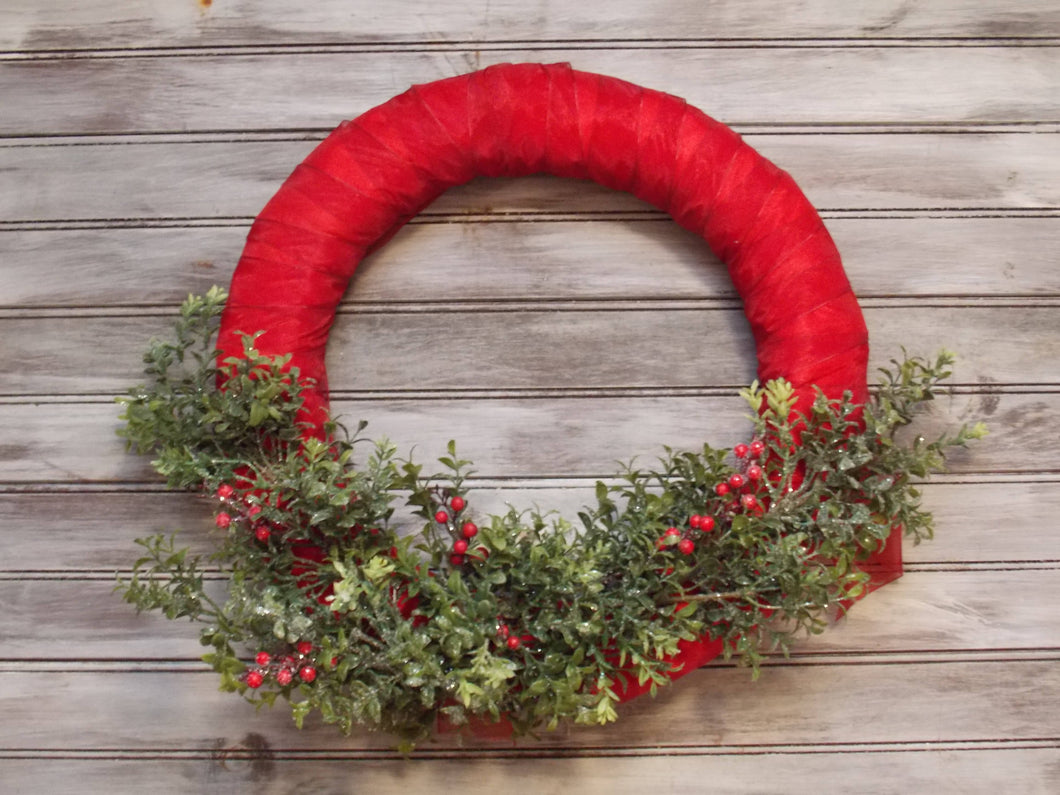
(521, 615)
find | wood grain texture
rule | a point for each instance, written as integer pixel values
(235, 764)
(611, 346)
(231, 180)
(447, 261)
(553, 328)
(119, 708)
(311, 89)
(32, 26)
(73, 440)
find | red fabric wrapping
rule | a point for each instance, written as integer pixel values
(374, 173)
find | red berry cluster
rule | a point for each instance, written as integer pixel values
(282, 668)
(736, 493)
(506, 638)
(449, 517)
(240, 511)
(685, 540)
(740, 486)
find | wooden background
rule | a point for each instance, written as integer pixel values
(553, 327)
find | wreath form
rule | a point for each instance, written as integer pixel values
(373, 174)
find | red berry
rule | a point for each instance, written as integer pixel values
(457, 504)
(503, 630)
(749, 502)
(740, 450)
(757, 447)
(222, 520)
(694, 521)
(262, 532)
(514, 642)
(307, 673)
(456, 560)
(263, 658)
(686, 546)
(721, 489)
(755, 472)
(479, 553)
(706, 523)
(284, 676)
(672, 531)
(441, 517)
(254, 679)
(225, 492)
(253, 511)
(460, 547)
(303, 647)
(736, 480)
(470, 530)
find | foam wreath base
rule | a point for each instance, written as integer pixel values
(314, 565)
(373, 174)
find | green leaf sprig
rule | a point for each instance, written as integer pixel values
(339, 606)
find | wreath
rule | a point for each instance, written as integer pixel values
(344, 602)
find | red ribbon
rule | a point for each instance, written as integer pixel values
(373, 174)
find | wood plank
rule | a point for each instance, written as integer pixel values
(310, 89)
(517, 437)
(974, 525)
(973, 770)
(649, 258)
(928, 132)
(924, 613)
(592, 345)
(63, 530)
(228, 180)
(949, 610)
(139, 710)
(41, 25)
(82, 531)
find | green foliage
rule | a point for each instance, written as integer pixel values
(521, 615)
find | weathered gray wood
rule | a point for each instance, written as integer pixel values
(217, 179)
(146, 709)
(93, 531)
(59, 442)
(926, 132)
(542, 347)
(519, 260)
(40, 25)
(924, 612)
(974, 525)
(786, 85)
(973, 769)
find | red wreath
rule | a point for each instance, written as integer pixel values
(373, 174)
